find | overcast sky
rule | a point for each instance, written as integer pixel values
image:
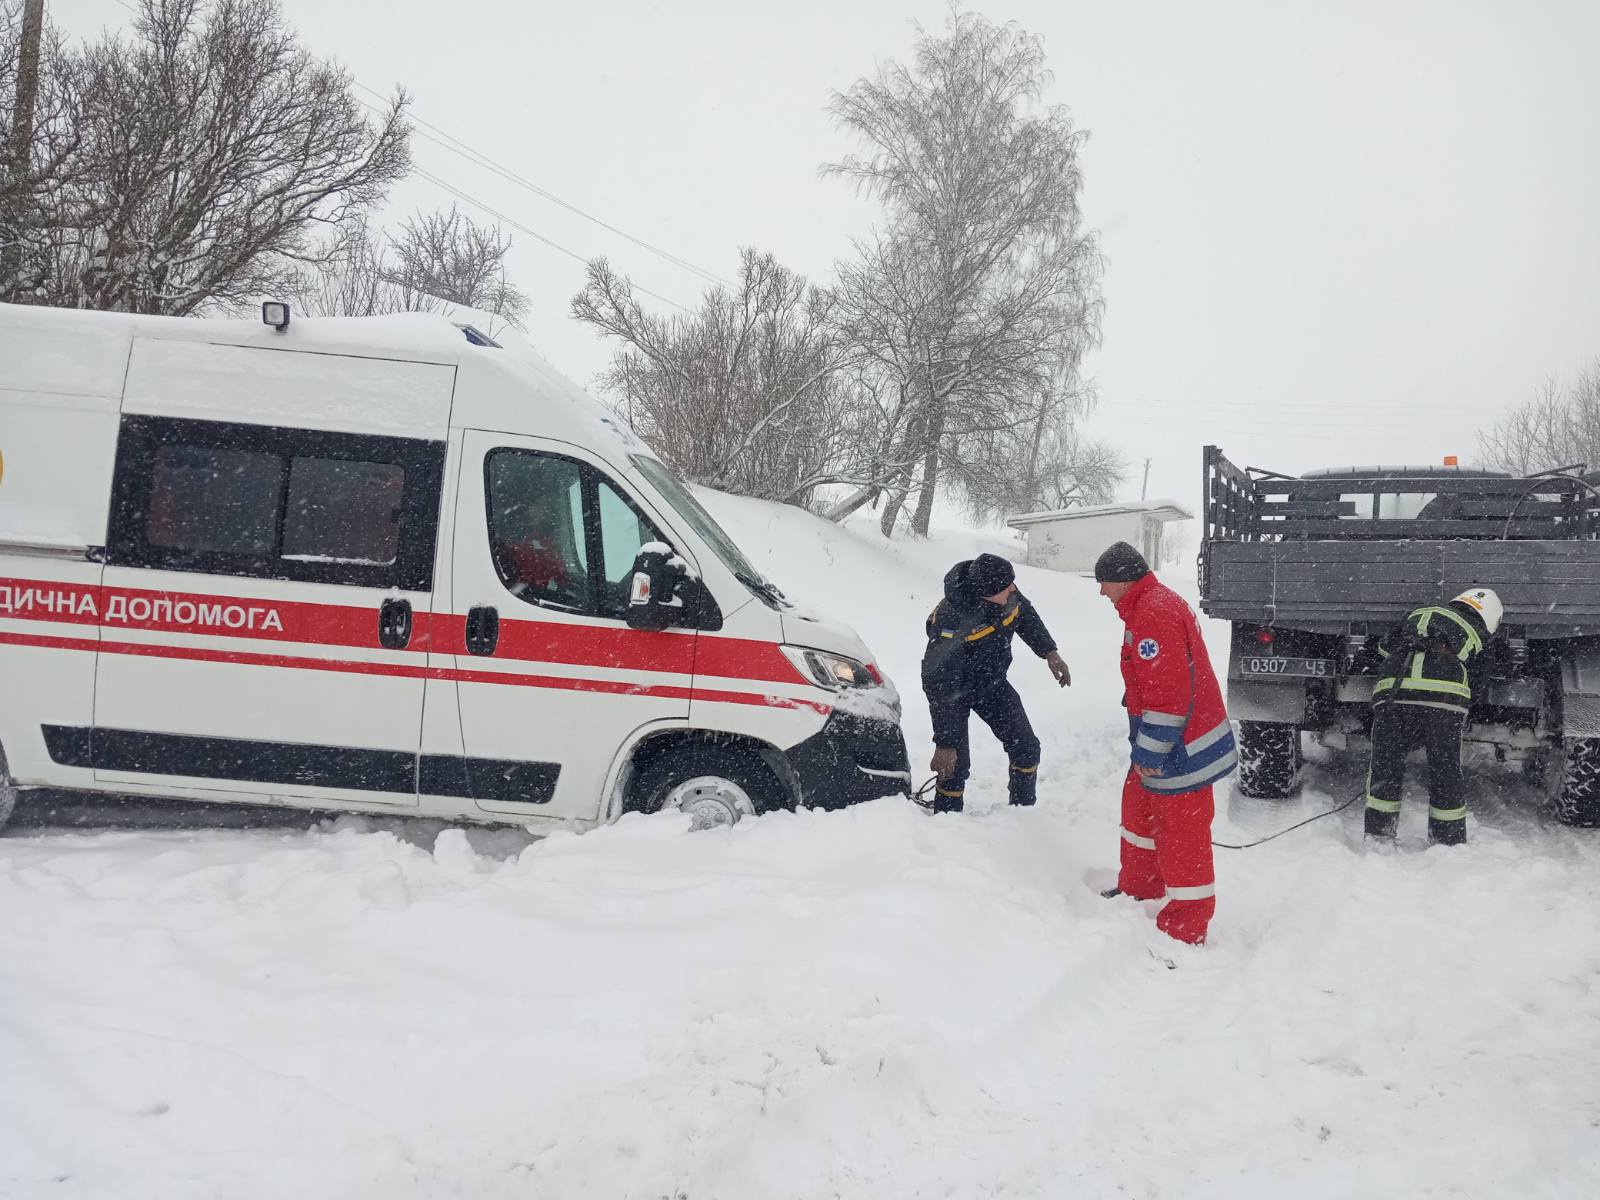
(1335, 232)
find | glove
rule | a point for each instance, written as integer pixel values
(944, 762)
(1058, 668)
(1366, 660)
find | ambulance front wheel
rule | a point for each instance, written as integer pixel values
(714, 785)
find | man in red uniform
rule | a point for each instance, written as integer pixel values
(1182, 744)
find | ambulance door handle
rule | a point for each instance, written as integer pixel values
(483, 630)
(394, 624)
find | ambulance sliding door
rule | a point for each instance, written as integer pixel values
(270, 560)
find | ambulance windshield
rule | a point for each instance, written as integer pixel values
(672, 490)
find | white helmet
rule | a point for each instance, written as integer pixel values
(1485, 603)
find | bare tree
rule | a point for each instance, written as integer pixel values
(746, 394)
(1177, 544)
(438, 261)
(444, 258)
(37, 168)
(354, 279)
(214, 157)
(1559, 427)
(982, 294)
(1047, 465)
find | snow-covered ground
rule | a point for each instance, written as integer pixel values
(867, 1003)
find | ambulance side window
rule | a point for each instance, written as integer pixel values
(562, 535)
(343, 511)
(310, 506)
(620, 531)
(207, 499)
(536, 529)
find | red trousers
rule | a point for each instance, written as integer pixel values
(1166, 851)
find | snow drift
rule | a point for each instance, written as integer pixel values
(863, 1003)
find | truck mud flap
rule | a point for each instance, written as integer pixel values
(1255, 700)
(1580, 692)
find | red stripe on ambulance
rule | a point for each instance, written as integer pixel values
(407, 671)
(344, 625)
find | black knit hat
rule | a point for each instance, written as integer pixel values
(1120, 564)
(990, 574)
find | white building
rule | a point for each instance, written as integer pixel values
(1070, 539)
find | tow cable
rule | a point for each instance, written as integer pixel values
(1291, 829)
(917, 798)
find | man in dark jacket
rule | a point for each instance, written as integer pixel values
(1434, 663)
(964, 671)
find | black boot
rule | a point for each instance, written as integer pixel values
(1023, 786)
(944, 801)
(1448, 833)
(1382, 824)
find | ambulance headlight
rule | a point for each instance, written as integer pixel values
(832, 671)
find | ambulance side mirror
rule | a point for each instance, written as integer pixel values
(653, 601)
(663, 591)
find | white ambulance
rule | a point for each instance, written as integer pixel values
(385, 565)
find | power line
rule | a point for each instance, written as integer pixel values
(1174, 408)
(1257, 423)
(521, 228)
(1263, 415)
(463, 150)
(477, 157)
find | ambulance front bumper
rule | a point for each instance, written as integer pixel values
(849, 760)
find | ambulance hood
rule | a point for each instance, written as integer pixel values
(802, 628)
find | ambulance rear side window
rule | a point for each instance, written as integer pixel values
(343, 512)
(214, 500)
(306, 505)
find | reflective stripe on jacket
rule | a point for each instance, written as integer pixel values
(1430, 657)
(1176, 718)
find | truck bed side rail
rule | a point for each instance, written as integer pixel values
(1391, 505)
(1229, 499)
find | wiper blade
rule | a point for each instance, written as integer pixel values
(762, 588)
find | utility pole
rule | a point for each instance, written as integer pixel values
(1145, 486)
(19, 152)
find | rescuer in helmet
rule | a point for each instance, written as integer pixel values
(1423, 694)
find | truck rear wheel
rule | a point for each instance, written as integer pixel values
(1578, 800)
(1269, 759)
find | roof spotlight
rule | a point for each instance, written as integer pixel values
(276, 314)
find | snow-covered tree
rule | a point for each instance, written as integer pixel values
(982, 293)
(38, 159)
(437, 261)
(211, 158)
(747, 393)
